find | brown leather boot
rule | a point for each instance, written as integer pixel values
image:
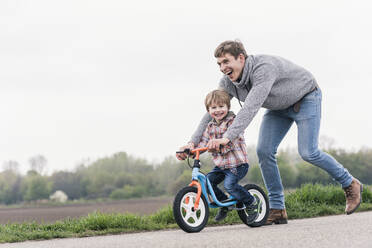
(277, 216)
(353, 194)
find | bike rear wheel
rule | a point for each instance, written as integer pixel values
(190, 219)
(263, 210)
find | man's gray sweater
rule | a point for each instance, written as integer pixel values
(267, 81)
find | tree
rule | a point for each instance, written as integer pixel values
(182, 181)
(308, 173)
(10, 187)
(38, 163)
(11, 165)
(287, 171)
(254, 175)
(68, 182)
(326, 143)
(36, 187)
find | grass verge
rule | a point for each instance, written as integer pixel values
(305, 202)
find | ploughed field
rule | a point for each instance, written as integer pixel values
(49, 214)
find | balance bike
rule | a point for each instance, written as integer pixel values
(191, 204)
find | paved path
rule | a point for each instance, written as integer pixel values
(333, 231)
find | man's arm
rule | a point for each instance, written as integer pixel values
(196, 138)
(264, 77)
(204, 139)
(202, 126)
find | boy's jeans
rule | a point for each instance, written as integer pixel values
(274, 127)
(231, 177)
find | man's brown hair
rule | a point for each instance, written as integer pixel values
(217, 97)
(233, 47)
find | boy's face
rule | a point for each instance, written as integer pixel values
(218, 111)
(230, 66)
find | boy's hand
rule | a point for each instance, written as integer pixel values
(214, 144)
(183, 156)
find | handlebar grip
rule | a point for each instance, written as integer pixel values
(187, 151)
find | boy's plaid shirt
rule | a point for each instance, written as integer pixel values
(231, 155)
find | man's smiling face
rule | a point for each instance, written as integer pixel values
(230, 66)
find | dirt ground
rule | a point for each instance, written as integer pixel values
(53, 213)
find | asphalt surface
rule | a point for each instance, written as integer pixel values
(332, 231)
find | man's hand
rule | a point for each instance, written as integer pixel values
(214, 144)
(183, 156)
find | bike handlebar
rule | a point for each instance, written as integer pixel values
(194, 151)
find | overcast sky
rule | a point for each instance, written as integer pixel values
(81, 79)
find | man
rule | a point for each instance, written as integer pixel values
(290, 94)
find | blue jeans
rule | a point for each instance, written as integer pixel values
(231, 177)
(275, 126)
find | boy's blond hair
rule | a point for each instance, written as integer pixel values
(217, 97)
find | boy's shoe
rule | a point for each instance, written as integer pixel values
(353, 194)
(222, 213)
(277, 216)
(252, 210)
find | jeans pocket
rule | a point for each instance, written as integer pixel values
(309, 108)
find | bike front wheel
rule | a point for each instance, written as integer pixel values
(190, 219)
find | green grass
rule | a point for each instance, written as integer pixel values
(305, 202)
(317, 200)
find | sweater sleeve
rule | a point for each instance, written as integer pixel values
(196, 137)
(222, 86)
(264, 76)
(204, 139)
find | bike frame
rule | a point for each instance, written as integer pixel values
(201, 182)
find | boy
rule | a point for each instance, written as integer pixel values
(231, 160)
